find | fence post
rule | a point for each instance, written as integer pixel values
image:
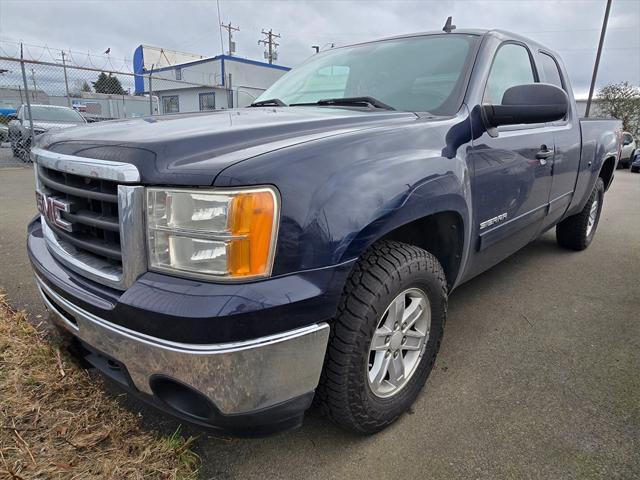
(26, 94)
(150, 92)
(66, 82)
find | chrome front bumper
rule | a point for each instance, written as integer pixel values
(236, 377)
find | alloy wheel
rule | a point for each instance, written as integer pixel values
(399, 342)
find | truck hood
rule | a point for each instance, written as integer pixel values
(192, 149)
(45, 126)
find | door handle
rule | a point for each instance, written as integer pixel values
(543, 154)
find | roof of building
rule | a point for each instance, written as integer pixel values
(139, 62)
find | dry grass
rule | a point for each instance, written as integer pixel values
(56, 423)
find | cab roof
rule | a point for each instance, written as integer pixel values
(501, 34)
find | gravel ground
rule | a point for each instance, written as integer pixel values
(537, 376)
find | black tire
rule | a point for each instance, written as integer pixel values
(572, 232)
(15, 148)
(384, 271)
(25, 151)
(635, 169)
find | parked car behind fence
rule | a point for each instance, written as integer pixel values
(45, 118)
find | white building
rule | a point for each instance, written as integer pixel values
(185, 82)
(581, 106)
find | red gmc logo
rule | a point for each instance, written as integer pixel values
(51, 208)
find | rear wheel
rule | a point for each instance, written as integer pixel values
(385, 337)
(577, 231)
(25, 151)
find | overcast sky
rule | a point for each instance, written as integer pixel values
(570, 27)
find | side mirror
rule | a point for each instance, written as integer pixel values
(530, 103)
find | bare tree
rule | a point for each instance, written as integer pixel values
(621, 101)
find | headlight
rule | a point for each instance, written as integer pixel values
(212, 233)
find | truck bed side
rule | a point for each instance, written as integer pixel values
(599, 152)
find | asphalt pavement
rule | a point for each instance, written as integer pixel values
(537, 377)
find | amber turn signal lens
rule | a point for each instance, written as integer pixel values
(251, 223)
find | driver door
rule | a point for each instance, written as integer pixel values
(512, 168)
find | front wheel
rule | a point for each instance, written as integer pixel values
(385, 338)
(577, 232)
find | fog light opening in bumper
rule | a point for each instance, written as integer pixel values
(182, 398)
(66, 316)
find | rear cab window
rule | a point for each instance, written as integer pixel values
(552, 74)
(551, 70)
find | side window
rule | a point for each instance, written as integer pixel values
(511, 67)
(207, 101)
(551, 70)
(170, 104)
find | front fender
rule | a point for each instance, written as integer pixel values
(441, 192)
(342, 193)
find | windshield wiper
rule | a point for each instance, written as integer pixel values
(349, 102)
(271, 102)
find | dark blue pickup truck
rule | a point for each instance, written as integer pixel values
(231, 267)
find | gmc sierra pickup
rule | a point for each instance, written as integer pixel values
(231, 266)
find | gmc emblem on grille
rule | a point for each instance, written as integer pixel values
(51, 208)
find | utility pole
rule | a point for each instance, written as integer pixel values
(66, 82)
(230, 30)
(271, 45)
(597, 64)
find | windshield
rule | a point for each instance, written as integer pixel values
(54, 114)
(418, 74)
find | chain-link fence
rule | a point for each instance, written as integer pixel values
(36, 96)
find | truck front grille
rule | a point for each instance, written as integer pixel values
(93, 215)
(92, 219)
